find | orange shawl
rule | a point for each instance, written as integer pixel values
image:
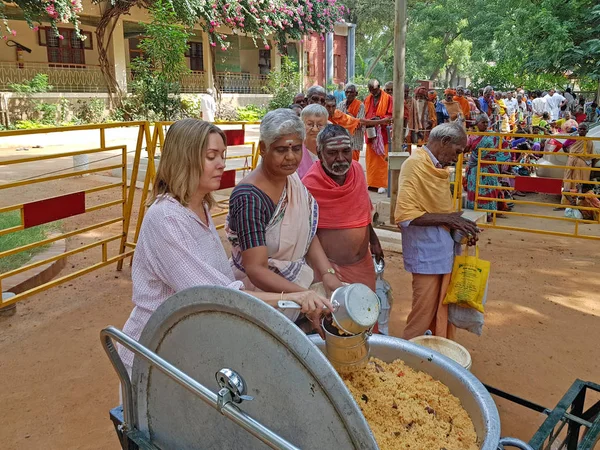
(453, 108)
(340, 207)
(422, 188)
(384, 109)
(354, 107)
(464, 105)
(348, 122)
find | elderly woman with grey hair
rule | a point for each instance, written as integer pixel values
(272, 221)
(314, 118)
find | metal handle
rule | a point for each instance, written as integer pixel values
(228, 409)
(288, 304)
(513, 442)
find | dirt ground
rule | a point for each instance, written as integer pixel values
(542, 332)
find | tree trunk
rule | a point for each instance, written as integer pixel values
(213, 67)
(598, 93)
(111, 15)
(379, 56)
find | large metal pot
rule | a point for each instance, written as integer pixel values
(474, 397)
(172, 398)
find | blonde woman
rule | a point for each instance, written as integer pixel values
(178, 246)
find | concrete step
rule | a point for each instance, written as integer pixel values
(391, 241)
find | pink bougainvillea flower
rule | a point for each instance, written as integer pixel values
(267, 47)
(213, 44)
(13, 32)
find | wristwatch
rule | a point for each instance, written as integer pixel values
(330, 271)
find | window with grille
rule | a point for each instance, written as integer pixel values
(134, 49)
(68, 50)
(196, 55)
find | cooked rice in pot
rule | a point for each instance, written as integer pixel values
(407, 409)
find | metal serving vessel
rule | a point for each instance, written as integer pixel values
(218, 368)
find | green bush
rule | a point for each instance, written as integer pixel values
(191, 108)
(90, 111)
(46, 112)
(251, 113)
(38, 84)
(226, 113)
(283, 84)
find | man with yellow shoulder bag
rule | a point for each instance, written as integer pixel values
(426, 218)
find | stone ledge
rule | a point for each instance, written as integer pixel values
(38, 275)
(391, 241)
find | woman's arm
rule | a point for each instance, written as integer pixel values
(256, 266)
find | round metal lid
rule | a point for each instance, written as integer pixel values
(362, 304)
(297, 393)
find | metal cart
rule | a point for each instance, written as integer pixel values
(208, 349)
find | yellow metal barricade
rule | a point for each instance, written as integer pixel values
(551, 211)
(157, 142)
(51, 208)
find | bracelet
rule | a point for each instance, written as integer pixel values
(330, 271)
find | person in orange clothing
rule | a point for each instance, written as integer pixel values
(338, 185)
(379, 110)
(355, 108)
(464, 104)
(453, 107)
(337, 117)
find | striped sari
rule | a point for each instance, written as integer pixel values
(288, 237)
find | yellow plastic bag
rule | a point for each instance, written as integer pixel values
(469, 280)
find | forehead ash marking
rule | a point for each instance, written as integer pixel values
(337, 142)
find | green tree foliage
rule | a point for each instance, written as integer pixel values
(284, 84)
(155, 86)
(506, 43)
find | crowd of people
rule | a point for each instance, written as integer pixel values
(303, 216)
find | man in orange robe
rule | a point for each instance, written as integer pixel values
(453, 107)
(337, 117)
(355, 108)
(464, 103)
(378, 110)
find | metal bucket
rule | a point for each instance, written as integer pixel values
(348, 351)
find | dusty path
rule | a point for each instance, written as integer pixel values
(542, 329)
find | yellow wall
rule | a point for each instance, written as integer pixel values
(29, 38)
(248, 55)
